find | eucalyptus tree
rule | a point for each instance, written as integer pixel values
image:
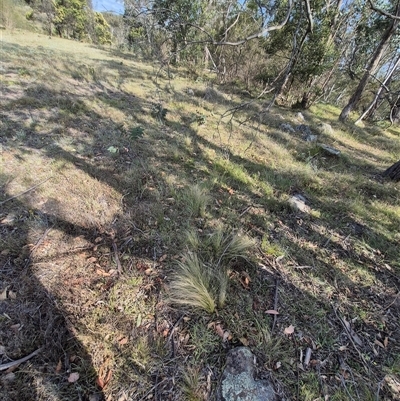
(375, 60)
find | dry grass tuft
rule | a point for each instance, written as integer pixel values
(196, 198)
(193, 284)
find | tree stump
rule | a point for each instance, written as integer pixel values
(393, 172)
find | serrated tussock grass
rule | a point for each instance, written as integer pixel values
(227, 245)
(192, 284)
(205, 285)
(195, 199)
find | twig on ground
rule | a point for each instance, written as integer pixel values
(245, 211)
(172, 333)
(119, 267)
(23, 193)
(152, 389)
(365, 365)
(36, 246)
(275, 303)
(9, 365)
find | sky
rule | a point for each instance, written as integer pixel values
(116, 6)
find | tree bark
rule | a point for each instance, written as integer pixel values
(393, 172)
(372, 66)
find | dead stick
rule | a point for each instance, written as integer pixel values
(9, 365)
(275, 303)
(23, 193)
(119, 267)
(365, 365)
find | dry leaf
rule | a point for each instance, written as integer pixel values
(219, 330)
(91, 260)
(377, 342)
(386, 341)
(101, 272)
(307, 357)
(289, 330)
(59, 366)
(16, 327)
(9, 377)
(227, 336)
(123, 340)
(103, 379)
(73, 377)
(2, 349)
(12, 295)
(244, 341)
(278, 365)
(343, 348)
(3, 294)
(272, 312)
(98, 239)
(163, 257)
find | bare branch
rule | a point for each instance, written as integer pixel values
(309, 16)
(386, 14)
(260, 34)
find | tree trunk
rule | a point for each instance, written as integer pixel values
(370, 109)
(393, 172)
(372, 66)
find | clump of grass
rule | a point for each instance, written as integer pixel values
(191, 384)
(192, 239)
(196, 199)
(192, 284)
(202, 285)
(228, 245)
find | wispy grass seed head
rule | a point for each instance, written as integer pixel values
(191, 284)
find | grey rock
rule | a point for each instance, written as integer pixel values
(304, 129)
(325, 129)
(329, 150)
(311, 138)
(287, 128)
(190, 92)
(298, 202)
(238, 382)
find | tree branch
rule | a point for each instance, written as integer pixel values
(309, 16)
(386, 14)
(260, 34)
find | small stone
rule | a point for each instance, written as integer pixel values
(238, 382)
(325, 129)
(298, 202)
(287, 128)
(311, 138)
(304, 129)
(300, 116)
(190, 92)
(329, 150)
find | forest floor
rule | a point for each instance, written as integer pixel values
(111, 173)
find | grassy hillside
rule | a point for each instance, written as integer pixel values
(142, 235)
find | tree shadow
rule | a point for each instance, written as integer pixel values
(32, 317)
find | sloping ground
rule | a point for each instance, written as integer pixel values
(99, 200)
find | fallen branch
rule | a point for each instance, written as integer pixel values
(9, 365)
(119, 267)
(275, 303)
(23, 193)
(350, 337)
